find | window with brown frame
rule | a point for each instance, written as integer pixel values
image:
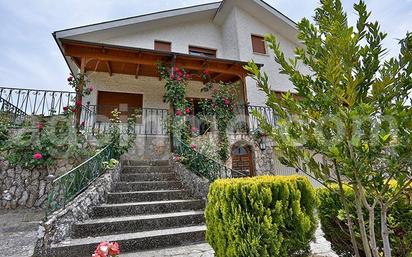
(162, 46)
(126, 103)
(200, 51)
(258, 44)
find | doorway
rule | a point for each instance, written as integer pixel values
(242, 160)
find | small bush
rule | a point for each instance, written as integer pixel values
(334, 226)
(261, 216)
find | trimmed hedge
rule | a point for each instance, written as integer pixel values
(336, 231)
(261, 216)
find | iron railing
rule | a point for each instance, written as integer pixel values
(151, 121)
(66, 187)
(21, 102)
(245, 122)
(201, 164)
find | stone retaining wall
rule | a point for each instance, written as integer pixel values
(24, 188)
(197, 186)
(58, 225)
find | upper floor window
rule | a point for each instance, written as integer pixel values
(200, 51)
(162, 46)
(258, 44)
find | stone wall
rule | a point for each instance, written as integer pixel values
(149, 147)
(24, 188)
(58, 225)
(197, 186)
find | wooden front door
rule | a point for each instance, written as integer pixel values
(242, 160)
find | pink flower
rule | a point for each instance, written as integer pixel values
(206, 72)
(90, 88)
(179, 78)
(187, 110)
(82, 124)
(172, 76)
(193, 146)
(70, 79)
(176, 69)
(177, 158)
(178, 113)
(194, 129)
(188, 76)
(37, 156)
(40, 125)
(114, 248)
(226, 101)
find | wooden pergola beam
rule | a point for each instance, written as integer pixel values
(109, 69)
(137, 71)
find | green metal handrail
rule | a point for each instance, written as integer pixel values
(66, 187)
(201, 164)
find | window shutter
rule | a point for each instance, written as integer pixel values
(258, 44)
(163, 46)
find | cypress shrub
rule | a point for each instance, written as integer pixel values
(261, 216)
(333, 222)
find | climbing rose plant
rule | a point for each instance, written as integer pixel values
(222, 107)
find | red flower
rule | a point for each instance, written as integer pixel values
(40, 125)
(74, 110)
(206, 72)
(188, 76)
(66, 108)
(179, 78)
(78, 103)
(176, 69)
(227, 101)
(70, 79)
(187, 110)
(37, 156)
(82, 124)
(172, 76)
(178, 112)
(114, 248)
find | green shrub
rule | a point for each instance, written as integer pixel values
(261, 216)
(334, 226)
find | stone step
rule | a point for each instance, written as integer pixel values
(147, 176)
(84, 247)
(146, 196)
(145, 163)
(129, 209)
(118, 225)
(146, 185)
(145, 169)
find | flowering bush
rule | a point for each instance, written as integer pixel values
(107, 249)
(43, 141)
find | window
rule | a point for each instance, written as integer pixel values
(163, 46)
(200, 51)
(126, 103)
(258, 44)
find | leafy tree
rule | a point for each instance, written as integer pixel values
(352, 107)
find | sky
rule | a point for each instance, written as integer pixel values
(30, 58)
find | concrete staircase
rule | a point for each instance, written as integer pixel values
(147, 209)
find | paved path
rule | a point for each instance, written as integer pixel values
(18, 232)
(320, 248)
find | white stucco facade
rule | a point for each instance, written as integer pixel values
(227, 28)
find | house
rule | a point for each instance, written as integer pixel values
(120, 58)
